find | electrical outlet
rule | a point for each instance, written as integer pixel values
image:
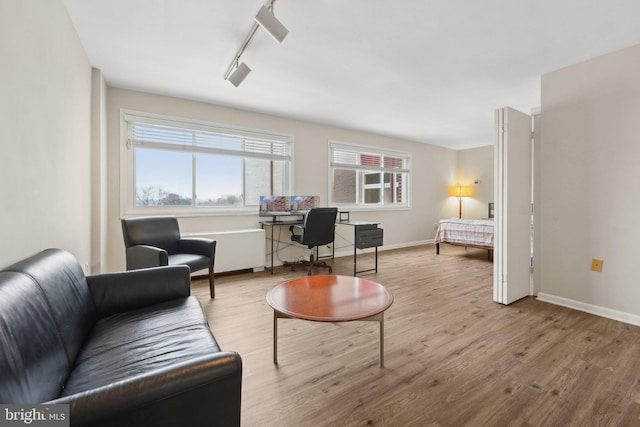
(596, 264)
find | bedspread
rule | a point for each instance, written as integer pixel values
(476, 232)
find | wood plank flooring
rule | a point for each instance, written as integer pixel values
(452, 356)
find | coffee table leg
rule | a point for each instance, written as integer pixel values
(382, 340)
(275, 337)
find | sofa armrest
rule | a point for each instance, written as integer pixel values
(198, 246)
(129, 290)
(145, 256)
(202, 392)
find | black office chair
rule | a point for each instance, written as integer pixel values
(318, 229)
(155, 241)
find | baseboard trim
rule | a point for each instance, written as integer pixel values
(621, 316)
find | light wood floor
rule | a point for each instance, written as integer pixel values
(452, 356)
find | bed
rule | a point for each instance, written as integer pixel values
(472, 233)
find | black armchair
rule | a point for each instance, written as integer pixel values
(156, 241)
(318, 229)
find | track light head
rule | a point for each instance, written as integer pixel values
(271, 25)
(239, 74)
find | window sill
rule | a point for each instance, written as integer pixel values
(190, 212)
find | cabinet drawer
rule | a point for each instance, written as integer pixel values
(369, 238)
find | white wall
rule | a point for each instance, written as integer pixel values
(589, 182)
(433, 169)
(45, 89)
(476, 163)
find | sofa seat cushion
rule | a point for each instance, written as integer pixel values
(128, 344)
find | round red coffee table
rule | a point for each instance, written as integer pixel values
(329, 299)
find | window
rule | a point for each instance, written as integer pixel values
(362, 176)
(184, 166)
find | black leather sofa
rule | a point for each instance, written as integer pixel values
(122, 349)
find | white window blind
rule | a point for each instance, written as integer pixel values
(367, 158)
(172, 135)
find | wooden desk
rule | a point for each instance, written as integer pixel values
(329, 298)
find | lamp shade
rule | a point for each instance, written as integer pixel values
(460, 191)
(465, 192)
(271, 25)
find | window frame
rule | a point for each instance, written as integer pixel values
(359, 205)
(127, 163)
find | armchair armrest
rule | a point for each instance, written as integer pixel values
(198, 246)
(299, 236)
(128, 290)
(145, 256)
(201, 392)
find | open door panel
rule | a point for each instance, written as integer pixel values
(512, 240)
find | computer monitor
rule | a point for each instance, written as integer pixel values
(302, 204)
(286, 205)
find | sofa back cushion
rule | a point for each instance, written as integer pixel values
(33, 360)
(63, 287)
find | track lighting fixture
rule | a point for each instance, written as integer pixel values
(265, 18)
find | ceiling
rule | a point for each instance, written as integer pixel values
(419, 70)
